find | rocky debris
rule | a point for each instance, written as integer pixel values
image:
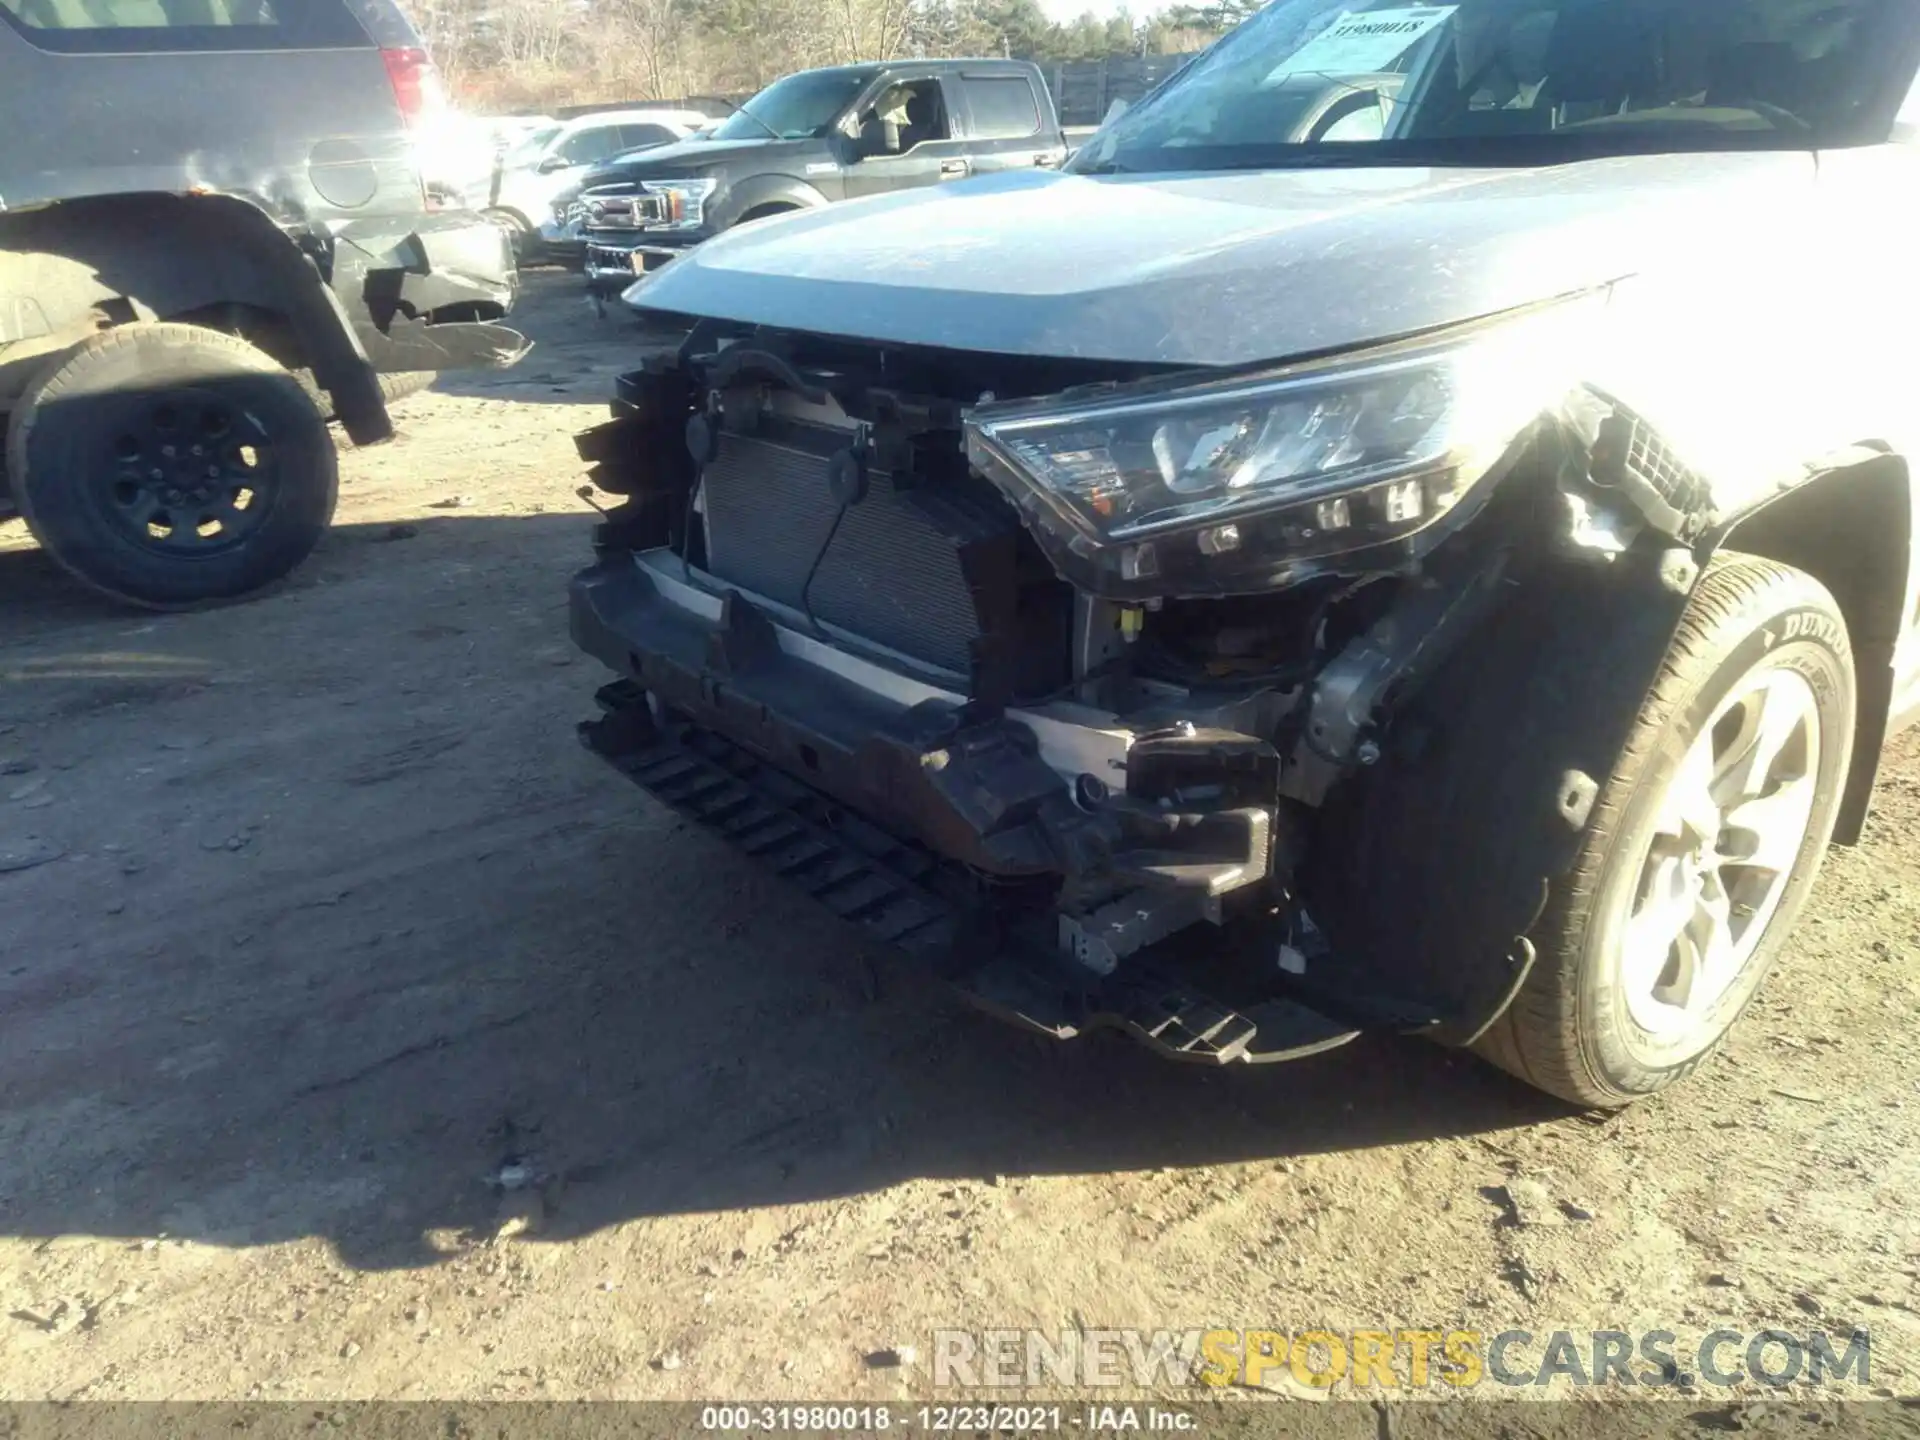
(894, 1357)
(514, 1173)
(1805, 1097)
(59, 1317)
(1528, 1203)
(520, 1212)
(26, 854)
(667, 1360)
(1517, 1273)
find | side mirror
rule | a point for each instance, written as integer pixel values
(553, 163)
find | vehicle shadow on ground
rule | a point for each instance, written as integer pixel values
(35, 593)
(473, 946)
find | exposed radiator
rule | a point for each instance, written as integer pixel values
(893, 572)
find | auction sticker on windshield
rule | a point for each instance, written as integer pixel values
(1360, 43)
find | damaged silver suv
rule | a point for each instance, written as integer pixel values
(1411, 530)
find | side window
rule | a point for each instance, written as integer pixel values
(632, 137)
(583, 147)
(1002, 106)
(120, 26)
(905, 114)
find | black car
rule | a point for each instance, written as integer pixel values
(213, 237)
(809, 140)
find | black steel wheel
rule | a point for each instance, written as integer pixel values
(192, 473)
(166, 465)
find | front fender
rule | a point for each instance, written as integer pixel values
(755, 191)
(1851, 527)
(166, 256)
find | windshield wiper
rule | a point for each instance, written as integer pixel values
(742, 110)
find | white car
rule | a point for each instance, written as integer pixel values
(457, 154)
(534, 171)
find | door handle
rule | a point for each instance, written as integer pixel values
(953, 167)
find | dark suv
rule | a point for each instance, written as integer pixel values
(811, 139)
(213, 236)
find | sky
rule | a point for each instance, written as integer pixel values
(1071, 9)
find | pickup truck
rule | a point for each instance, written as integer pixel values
(214, 236)
(551, 161)
(1413, 530)
(806, 141)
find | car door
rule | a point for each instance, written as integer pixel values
(573, 152)
(1004, 129)
(929, 148)
(587, 145)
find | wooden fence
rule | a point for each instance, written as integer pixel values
(1083, 90)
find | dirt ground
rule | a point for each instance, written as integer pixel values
(314, 915)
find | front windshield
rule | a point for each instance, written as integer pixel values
(530, 147)
(800, 107)
(1500, 81)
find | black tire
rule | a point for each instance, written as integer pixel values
(766, 212)
(393, 388)
(166, 465)
(1572, 1029)
(520, 232)
(511, 221)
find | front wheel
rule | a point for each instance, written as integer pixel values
(1701, 848)
(516, 227)
(166, 465)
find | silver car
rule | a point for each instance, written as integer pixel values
(1413, 530)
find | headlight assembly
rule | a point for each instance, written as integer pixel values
(673, 204)
(1230, 486)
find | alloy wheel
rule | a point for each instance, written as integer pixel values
(1729, 830)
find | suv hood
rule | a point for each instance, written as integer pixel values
(1222, 268)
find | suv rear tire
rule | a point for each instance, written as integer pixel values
(1701, 847)
(166, 465)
